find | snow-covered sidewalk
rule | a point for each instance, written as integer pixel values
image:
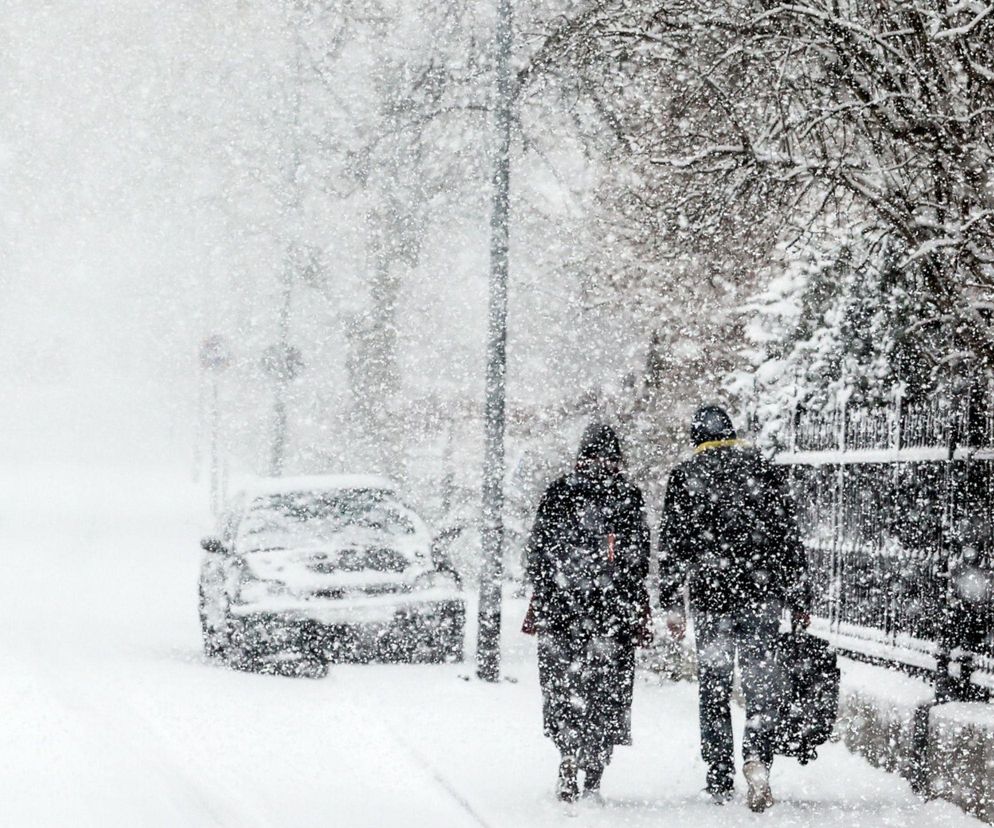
(111, 716)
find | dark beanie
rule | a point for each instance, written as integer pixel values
(599, 440)
(711, 422)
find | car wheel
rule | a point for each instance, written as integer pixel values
(451, 635)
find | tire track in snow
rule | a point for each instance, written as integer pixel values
(440, 780)
(420, 761)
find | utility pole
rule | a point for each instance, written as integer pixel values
(491, 575)
(281, 363)
(282, 375)
(214, 358)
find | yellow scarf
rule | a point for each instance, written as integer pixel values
(713, 444)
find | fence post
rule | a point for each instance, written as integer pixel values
(898, 435)
(839, 565)
(842, 424)
(977, 413)
(969, 504)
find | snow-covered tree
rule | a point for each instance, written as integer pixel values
(745, 130)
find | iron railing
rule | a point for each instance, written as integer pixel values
(896, 505)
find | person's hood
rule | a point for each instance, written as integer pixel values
(599, 441)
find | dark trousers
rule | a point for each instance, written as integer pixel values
(751, 633)
(586, 694)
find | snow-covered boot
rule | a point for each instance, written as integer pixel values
(757, 775)
(592, 783)
(592, 778)
(566, 787)
(720, 786)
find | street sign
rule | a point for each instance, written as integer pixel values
(214, 353)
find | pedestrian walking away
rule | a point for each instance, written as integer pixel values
(587, 561)
(730, 548)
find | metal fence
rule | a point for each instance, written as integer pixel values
(896, 506)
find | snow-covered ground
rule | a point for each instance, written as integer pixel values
(111, 717)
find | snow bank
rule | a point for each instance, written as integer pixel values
(961, 756)
(879, 716)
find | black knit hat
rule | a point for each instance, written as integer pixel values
(711, 422)
(599, 440)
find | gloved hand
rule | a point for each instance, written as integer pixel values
(528, 626)
(800, 619)
(676, 624)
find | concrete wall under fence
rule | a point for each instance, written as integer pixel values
(944, 750)
(960, 756)
(883, 716)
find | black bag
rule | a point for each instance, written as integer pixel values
(809, 702)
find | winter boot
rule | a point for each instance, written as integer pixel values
(592, 782)
(720, 786)
(757, 775)
(566, 787)
(592, 778)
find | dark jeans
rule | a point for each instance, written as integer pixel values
(586, 694)
(752, 634)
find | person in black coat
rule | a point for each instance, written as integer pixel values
(587, 559)
(729, 535)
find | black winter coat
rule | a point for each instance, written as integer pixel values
(588, 557)
(729, 527)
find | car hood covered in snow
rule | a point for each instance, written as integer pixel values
(355, 558)
(327, 541)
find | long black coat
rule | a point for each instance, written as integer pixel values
(588, 557)
(729, 527)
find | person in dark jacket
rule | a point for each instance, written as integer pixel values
(729, 535)
(587, 559)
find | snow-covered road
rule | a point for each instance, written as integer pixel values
(111, 716)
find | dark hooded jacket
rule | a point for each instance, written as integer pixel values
(729, 528)
(588, 554)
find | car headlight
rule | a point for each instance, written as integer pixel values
(434, 580)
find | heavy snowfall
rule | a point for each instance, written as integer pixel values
(416, 407)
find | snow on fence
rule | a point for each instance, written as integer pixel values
(897, 509)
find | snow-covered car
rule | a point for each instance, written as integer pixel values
(318, 569)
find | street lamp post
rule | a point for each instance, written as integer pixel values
(215, 356)
(491, 575)
(281, 360)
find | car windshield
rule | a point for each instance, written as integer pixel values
(297, 519)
